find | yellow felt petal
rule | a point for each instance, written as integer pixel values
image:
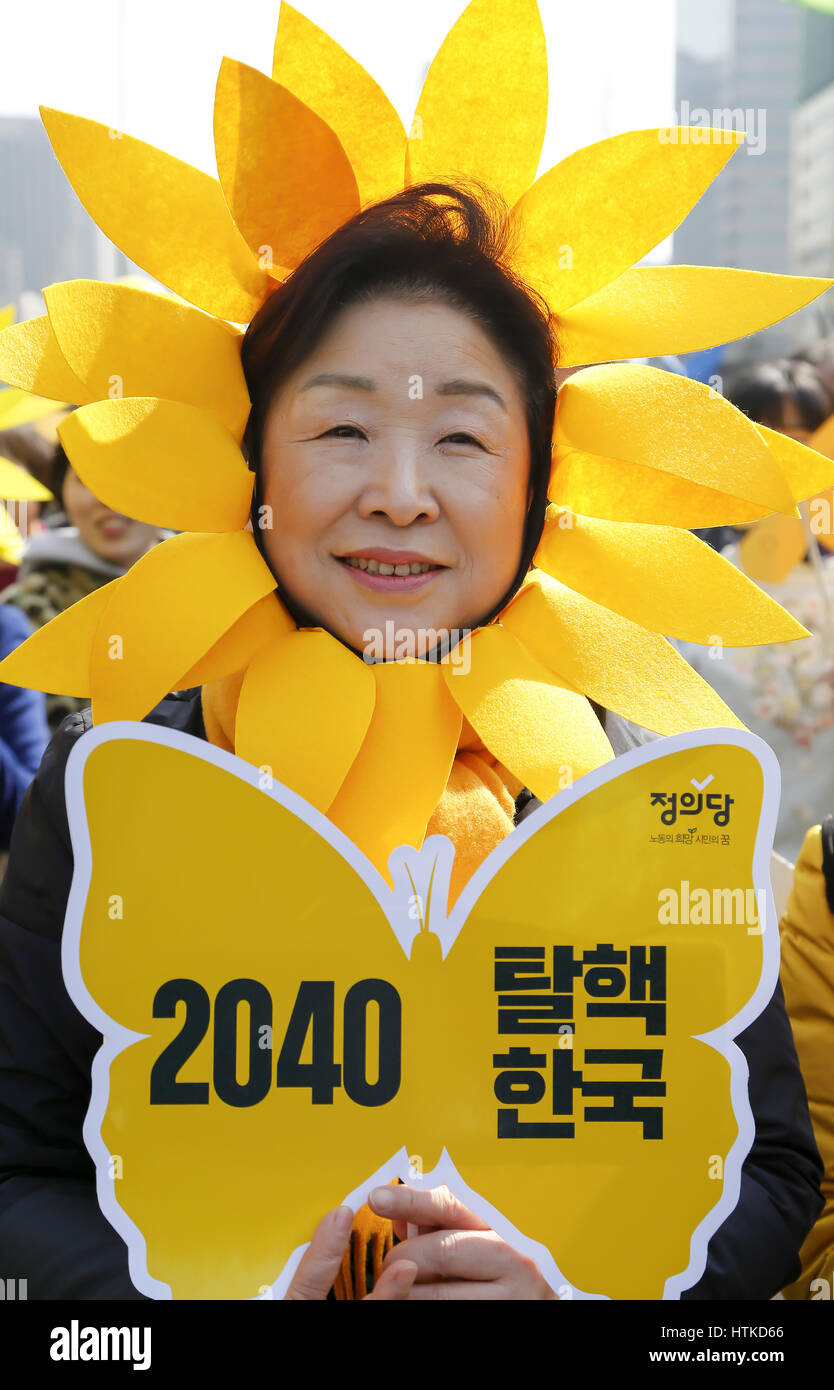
(123, 341)
(822, 439)
(286, 178)
(604, 207)
(16, 485)
(264, 622)
(622, 491)
(169, 608)
(31, 359)
(483, 108)
(664, 578)
(321, 74)
(806, 468)
(655, 310)
(770, 550)
(167, 216)
(648, 416)
(403, 765)
(304, 709)
(6, 316)
(624, 668)
(57, 656)
(19, 407)
(544, 732)
(159, 461)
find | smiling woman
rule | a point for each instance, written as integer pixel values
(407, 453)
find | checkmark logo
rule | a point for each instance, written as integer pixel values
(699, 786)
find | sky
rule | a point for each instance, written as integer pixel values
(611, 62)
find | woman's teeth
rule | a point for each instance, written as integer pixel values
(378, 567)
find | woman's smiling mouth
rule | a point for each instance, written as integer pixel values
(390, 570)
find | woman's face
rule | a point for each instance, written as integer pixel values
(396, 464)
(110, 535)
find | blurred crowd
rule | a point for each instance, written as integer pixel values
(785, 692)
(52, 554)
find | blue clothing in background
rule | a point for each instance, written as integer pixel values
(24, 732)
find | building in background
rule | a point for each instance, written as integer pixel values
(741, 57)
(700, 81)
(812, 185)
(45, 233)
(754, 63)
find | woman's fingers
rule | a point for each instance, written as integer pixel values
(468, 1265)
(394, 1283)
(476, 1255)
(464, 1291)
(322, 1259)
(435, 1209)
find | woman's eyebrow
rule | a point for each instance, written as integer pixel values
(461, 387)
(457, 387)
(359, 383)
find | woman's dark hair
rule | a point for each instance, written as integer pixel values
(58, 472)
(761, 392)
(820, 354)
(435, 241)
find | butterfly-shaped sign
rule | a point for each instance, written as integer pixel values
(283, 1028)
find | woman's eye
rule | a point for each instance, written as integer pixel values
(343, 432)
(461, 438)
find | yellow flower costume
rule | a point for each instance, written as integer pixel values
(639, 455)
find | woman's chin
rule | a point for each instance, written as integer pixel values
(121, 552)
(401, 636)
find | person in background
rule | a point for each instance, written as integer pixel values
(784, 693)
(790, 395)
(26, 446)
(820, 355)
(32, 446)
(65, 563)
(787, 395)
(24, 732)
(807, 974)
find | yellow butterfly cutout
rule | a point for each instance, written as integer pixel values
(282, 1029)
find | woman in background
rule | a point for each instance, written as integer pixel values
(65, 563)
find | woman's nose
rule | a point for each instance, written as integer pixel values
(399, 487)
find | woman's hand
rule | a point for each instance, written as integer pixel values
(322, 1260)
(455, 1253)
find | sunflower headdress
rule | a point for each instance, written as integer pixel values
(639, 455)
